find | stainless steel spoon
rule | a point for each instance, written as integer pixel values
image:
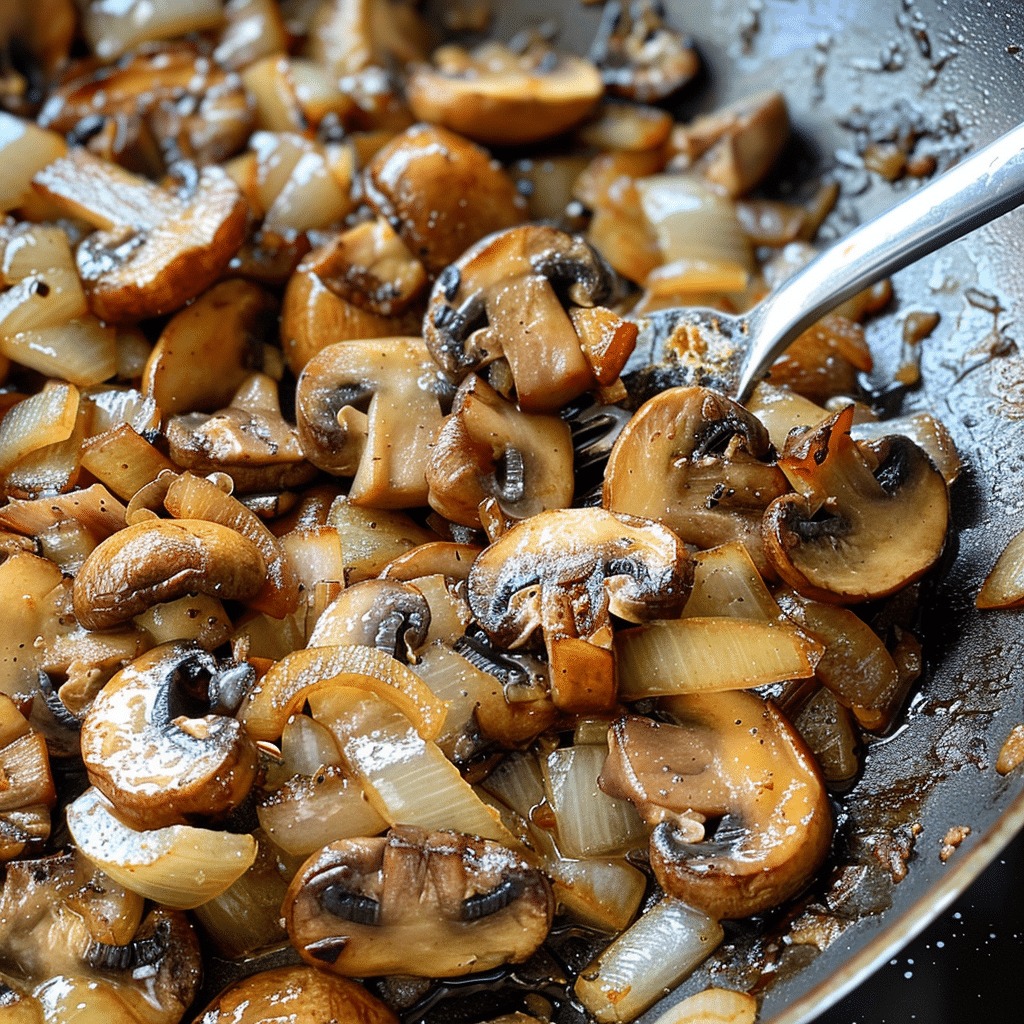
(735, 352)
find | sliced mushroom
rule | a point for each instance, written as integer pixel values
(370, 410)
(154, 745)
(732, 757)
(638, 55)
(441, 193)
(502, 97)
(563, 573)
(512, 295)
(225, 332)
(736, 146)
(487, 448)
(300, 995)
(872, 521)
(159, 560)
(363, 284)
(250, 440)
(385, 614)
(699, 463)
(435, 904)
(154, 249)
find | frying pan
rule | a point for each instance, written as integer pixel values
(952, 73)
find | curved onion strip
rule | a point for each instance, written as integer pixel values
(1004, 587)
(721, 1005)
(650, 957)
(701, 655)
(178, 866)
(294, 679)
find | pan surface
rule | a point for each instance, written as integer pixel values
(951, 74)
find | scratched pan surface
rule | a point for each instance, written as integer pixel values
(954, 72)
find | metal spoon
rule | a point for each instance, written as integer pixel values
(735, 352)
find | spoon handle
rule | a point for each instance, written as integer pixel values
(978, 189)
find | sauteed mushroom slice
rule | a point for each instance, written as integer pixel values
(370, 410)
(438, 904)
(441, 193)
(733, 757)
(158, 560)
(638, 55)
(871, 519)
(386, 614)
(488, 448)
(299, 995)
(511, 295)
(160, 742)
(502, 97)
(154, 249)
(699, 463)
(250, 440)
(564, 573)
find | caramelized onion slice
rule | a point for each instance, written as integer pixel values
(1004, 586)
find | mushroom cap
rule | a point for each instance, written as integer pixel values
(698, 462)
(563, 571)
(502, 98)
(872, 519)
(157, 763)
(437, 904)
(731, 756)
(441, 193)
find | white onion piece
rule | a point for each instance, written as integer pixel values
(113, 26)
(647, 960)
(113, 406)
(407, 779)
(82, 351)
(307, 746)
(178, 866)
(314, 555)
(518, 782)
(925, 431)
(713, 1006)
(449, 611)
(726, 582)
(460, 685)
(589, 821)
(1004, 587)
(24, 149)
(782, 410)
(45, 418)
(703, 655)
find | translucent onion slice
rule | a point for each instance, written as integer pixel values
(314, 555)
(94, 507)
(83, 351)
(726, 582)
(647, 960)
(371, 538)
(407, 778)
(178, 866)
(45, 418)
(518, 782)
(52, 469)
(112, 28)
(782, 410)
(124, 460)
(303, 674)
(1004, 587)
(588, 821)
(24, 149)
(307, 746)
(701, 655)
(713, 1006)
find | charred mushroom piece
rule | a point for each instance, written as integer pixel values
(358, 286)
(370, 410)
(564, 573)
(867, 524)
(699, 463)
(249, 440)
(437, 904)
(153, 250)
(151, 744)
(391, 616)
(158, 560)
(441, 193)
(512, 295)
(638, 55)
(489, 448)
(501, 97)
(732, 757)
(300, 995)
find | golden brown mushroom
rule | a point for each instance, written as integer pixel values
(153, 250)
(441, 193)
(487, 447)
(870, 520)
(730, 756)
(370, 410)
(699, 463)
(502, 97)
(438, 904)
